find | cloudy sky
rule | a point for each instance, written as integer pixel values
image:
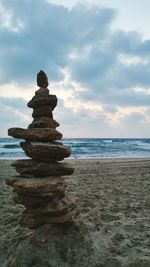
(96, 54)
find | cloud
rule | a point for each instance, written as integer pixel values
(95, 69)
(81, 123)
(135, 124)
(16, 103)
(48, 35)
(13, 114)
(103, 73)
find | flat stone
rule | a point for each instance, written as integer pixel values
(44, 122)
(42, 111)
(46, 151)
(55, 207)
(42, 92)
(60, 192)
(36, 101)
(35, 134)
(37, 185)
(31, 221)
(31, 200)
(41, 169)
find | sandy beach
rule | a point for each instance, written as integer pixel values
(114, 199)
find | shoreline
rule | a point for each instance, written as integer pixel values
(93, 158)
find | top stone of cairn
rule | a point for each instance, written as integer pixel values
(42, 80)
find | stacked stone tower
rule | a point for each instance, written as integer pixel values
(40, 186)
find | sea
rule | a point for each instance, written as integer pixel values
(86, 148)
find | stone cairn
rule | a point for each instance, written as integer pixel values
(40, 186)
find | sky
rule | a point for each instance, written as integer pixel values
(96, 54)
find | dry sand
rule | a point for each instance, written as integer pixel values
(115, 208)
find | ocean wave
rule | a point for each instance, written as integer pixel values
(107, 141)
(12, 154)
(86, 147)
(11, 146)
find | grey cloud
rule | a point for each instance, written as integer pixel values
(9, 116)
(110, 108)
(135, 117)
(49, 35)
(68, 116)
(101, 71)
(17, 103)
(82, 123)
(118, 97)
(135, 125)
(130, 43)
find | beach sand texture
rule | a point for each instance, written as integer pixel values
(114, 221)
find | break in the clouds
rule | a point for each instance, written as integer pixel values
(101, 75)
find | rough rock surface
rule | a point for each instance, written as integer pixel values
(46, 151)
(31, 200)
(42, 92)
(42, 80)
(36, 101)
(42, 111)
(41, 169)
(37, 185)
(35, 134)
(33, 221)
(44, 122)
(55, 207)
(55, 210)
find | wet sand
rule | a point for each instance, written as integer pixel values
(114, 199)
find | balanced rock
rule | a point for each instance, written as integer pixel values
(42, 92)
(55, 207)
(40, 185)
(37, 185)
(46, 151)
(31, 200)
(30, 220)
(42, 111)
(41, 169)
(35, 134)
(44, 122)
(37, 101)
(42, 80)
